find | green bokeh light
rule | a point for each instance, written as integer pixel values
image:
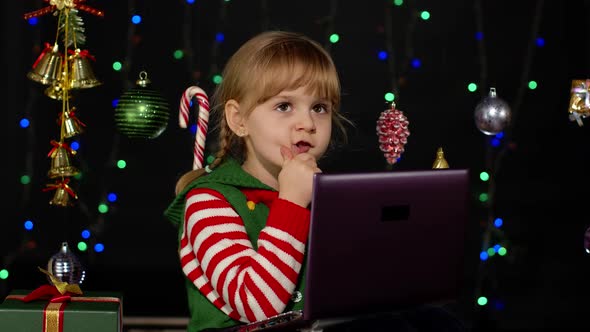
(425, 15)
(121, 163)
(334, 38)
(82, 246)
(117, 66)
(25, 179)
(482, 300)
(103, 208)
(4, 274)
(398, 2)
(483, 197)
(178, 54)
(217, 79)
(532, 85)
(484, 176)
(472, 87)
(389, 97)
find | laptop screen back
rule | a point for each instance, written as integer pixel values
(385, 240)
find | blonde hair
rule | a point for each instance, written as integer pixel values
(261, 68)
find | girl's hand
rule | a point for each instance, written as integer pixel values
(296, 177)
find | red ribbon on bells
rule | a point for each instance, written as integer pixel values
(48, 47)
(57, 145)
(83, 54)
(72, 115)
(63, 185)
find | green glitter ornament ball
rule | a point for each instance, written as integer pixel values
(142, 112)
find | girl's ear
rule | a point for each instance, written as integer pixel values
(235, 119)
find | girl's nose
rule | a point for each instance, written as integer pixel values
(305, 122)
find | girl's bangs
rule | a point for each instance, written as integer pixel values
(281, 73)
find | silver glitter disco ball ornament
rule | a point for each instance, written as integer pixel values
(65, 266)
(492, 114)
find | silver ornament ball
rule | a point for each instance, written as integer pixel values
(66, 267)
(492, 114)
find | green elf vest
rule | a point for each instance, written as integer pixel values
(227, 178)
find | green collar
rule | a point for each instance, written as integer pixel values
(229, 173)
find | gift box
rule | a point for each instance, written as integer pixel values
(88, 312)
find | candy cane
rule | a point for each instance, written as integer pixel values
(202, 120)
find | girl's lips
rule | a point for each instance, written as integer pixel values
(301, 147)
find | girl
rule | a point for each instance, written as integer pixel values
(243, 227)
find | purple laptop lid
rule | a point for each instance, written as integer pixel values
(385, 240)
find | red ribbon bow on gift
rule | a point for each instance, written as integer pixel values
(60, 294)
(59, 291)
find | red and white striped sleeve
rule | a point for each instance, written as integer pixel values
(218, 257)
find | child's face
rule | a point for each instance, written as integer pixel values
(294, 119)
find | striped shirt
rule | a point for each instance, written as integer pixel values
(217, 256)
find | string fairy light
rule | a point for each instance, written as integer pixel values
(494, 239)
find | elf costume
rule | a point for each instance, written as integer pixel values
(241, 248)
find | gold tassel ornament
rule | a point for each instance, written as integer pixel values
(440, 162)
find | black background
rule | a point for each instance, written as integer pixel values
(541, 184)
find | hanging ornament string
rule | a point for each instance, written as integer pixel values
(202, 120)
(392, 125)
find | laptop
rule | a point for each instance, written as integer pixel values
(380, 241)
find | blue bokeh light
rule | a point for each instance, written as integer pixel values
(135, 19)
(112, 197)
(29, 225)
(24, 123)
(99, 247)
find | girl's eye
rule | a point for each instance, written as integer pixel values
(284, 107)
(320, 108)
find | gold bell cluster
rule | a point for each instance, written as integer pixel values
(63, 68)
(579, 106)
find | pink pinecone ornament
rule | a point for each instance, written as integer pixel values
(393, 132)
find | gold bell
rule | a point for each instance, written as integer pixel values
(60, 198)
(55, 91)
(71, 124)
(62, 194)
(440, 161)
(47, 68)
(82, 76)
(60, 163)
